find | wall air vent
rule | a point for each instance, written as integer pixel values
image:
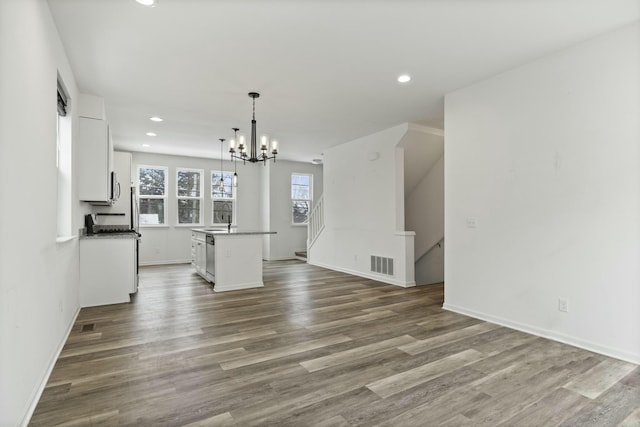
(382, 265)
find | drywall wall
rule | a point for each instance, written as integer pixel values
(290, 238)
(363, 181)
(424, 209)
(38, 276)
(430, 267)
(542, 196)
(171, 243)
(263, 203)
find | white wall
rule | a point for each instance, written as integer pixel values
(363, 180)
(290, 238)
(38, 277)
(263, 203)
(430, 267)
(424, 211)
(546, 158)
(172, 243)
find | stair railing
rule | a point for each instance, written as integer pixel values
(316, 222)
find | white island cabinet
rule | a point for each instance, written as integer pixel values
(235, 257)
(107, 269)
(198, 253)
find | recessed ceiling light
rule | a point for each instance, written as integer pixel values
(151, 134)
(404, 78)
(147, 2)
(156, 119)
(146, 145)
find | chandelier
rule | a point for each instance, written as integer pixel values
(238, 144)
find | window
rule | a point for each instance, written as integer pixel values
(63, 164)
(152, 190)
(189, 193)
(301, 197)
(223, 198)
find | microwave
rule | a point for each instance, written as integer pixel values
(115, 188)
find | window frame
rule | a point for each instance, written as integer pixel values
(64, 164)
(200, 197)
(164, 198)
(310, 200)
(233, 199)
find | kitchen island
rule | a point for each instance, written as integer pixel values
(230, 259)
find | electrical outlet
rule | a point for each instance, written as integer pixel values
(563, 305)
(472, 222)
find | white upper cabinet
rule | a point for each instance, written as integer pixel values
(96, 182)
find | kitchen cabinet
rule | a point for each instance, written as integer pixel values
(236, 258)
(107, 269)
(95, 162)
(199, 253)
(122, 167)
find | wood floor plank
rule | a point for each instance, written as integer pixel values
(396, 383)
(220, 420)
(445, 339)
(319, 347)
(338, 358)
(283, 351)
(598, 379)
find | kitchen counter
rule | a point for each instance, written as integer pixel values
(231, 260)
(233, 232)
(123, 235)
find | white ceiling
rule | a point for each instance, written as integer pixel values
(326, 70)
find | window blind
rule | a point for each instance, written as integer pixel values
(62, 101)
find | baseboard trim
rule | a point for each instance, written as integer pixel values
(545, 333)
(237, 287)
(377, 278)
(281, 258)
(52, 363)
(175, 261)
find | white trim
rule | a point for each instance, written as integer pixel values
(280, 258)
(45, 379)
(144, 196)
(383, 279)
(236, 287)
(405, 233)
(426, 129)
(547, 333)
(174, 261)
(63, 239)
(200, 197)
(233, 199)
(309, 200)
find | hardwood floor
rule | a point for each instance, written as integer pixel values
(323, 348)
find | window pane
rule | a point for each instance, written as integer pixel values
(151, 211)
(188, 211)
(216, 191)
(300, 211)
(300, 185)
(188, 184)
(222, 211)
(152, 182)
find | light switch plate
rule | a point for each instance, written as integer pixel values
(472, 222)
